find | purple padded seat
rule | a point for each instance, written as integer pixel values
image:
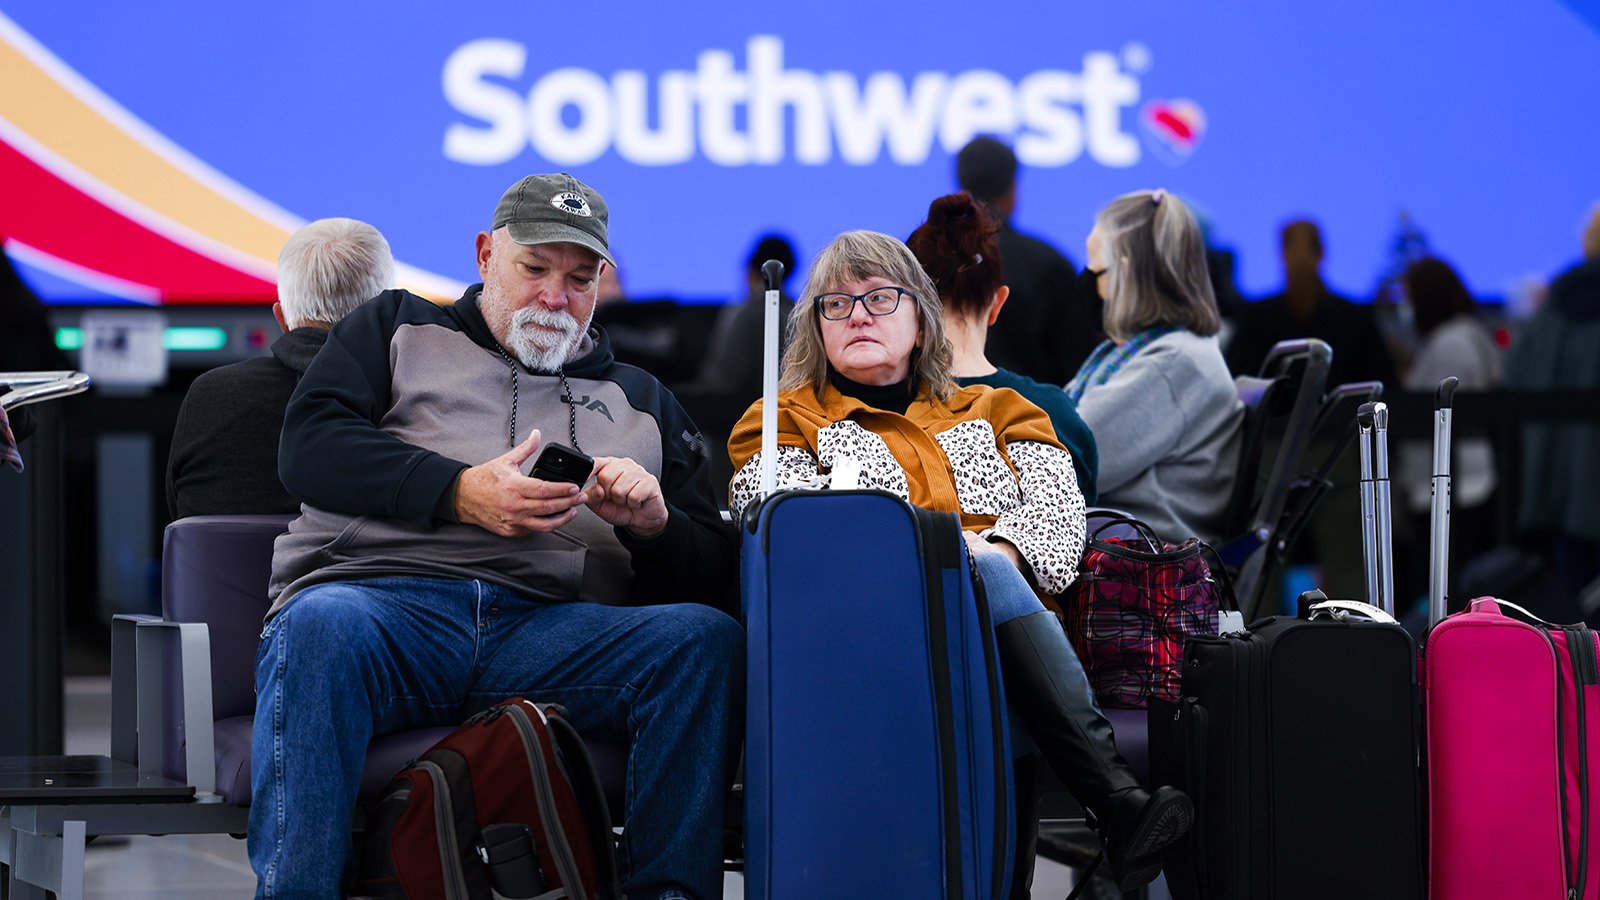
(1133, 738)
(1096, 517)
(1133, 742)
(215, 569)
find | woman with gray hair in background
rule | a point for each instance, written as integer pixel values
(866, 385)
(1158, 395)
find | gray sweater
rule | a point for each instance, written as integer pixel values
(1168, 428)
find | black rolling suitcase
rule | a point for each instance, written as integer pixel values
(1298, 741)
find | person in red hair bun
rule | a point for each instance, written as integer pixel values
(958, 246)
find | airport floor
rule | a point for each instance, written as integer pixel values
(188, 867)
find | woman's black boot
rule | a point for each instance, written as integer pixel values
(1046, 683)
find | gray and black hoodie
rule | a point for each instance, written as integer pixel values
(407, 394)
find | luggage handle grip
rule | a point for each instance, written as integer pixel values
(1444, 396)
(1496, 605)
(772, 274)
(1341, 608)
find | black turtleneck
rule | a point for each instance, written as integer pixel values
(895, 398)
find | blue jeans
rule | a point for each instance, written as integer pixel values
(344, 662)
(1010, 597)
(1008, 592)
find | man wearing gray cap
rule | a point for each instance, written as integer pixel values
(429, 577)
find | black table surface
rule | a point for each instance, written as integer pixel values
(39, 780)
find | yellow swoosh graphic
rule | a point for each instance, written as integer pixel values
(92, 134)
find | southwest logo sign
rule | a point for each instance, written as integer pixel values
(735, 116)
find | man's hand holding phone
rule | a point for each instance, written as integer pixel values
(496, 495)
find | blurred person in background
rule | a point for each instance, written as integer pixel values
(1307, 308)
(224, 456)
(609, 287)
(733, 361)
(1157, 394)
(1051, 326)
(1559, 349)
(1451, 340)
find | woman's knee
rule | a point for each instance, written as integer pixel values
(1008, 591)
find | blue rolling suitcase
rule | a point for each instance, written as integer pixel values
(878, 762)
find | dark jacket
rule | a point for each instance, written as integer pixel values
(734, 359)
(1559, 349)
(224, 458)
(1359, 353)
(407, 394)
(1575, 295)
(1046, 330)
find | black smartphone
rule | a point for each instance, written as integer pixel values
(558, 462)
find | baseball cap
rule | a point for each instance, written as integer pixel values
(554, 209)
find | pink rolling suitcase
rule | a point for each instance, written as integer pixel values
(1512, 706)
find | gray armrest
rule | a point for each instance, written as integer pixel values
(125, 687)
(145, 713)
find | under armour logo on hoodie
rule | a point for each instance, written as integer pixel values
(696, 443)
(597, 406)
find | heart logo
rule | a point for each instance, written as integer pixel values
(1176, 125)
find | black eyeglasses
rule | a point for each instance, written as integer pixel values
(878, 301)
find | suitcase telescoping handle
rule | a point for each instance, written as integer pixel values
(772, 272)
(1439, 535)
(1376, 525)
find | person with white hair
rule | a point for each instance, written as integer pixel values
(224, 456)
(437, 569)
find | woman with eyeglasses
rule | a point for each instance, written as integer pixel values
(1158, 395)
(867, 378)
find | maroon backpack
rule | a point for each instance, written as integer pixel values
(516, 763)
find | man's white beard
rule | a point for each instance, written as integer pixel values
(521, 336)
(563, 337)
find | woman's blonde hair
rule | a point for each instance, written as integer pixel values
(856, 256)
(1155, 266)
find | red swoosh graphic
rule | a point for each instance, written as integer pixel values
(50, 215)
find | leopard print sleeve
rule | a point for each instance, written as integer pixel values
(1048, 527)
(879, 468)
(794, 464)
